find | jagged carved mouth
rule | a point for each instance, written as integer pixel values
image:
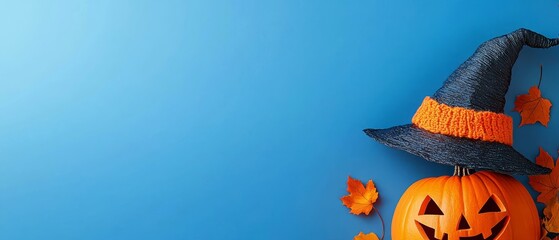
(496, 231)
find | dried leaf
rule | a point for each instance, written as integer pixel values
(546, 185)
(533, 107)
(551, 213)
(362, 236)
(360, 198)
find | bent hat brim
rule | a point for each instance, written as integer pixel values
(474, 154)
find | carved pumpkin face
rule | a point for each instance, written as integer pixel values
(481, 206)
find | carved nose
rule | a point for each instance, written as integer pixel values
(463, 224)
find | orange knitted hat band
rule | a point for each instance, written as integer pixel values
(440, 118)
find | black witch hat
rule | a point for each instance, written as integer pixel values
(463, 123)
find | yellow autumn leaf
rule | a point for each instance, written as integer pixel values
(551, 215)
(361, 198)
(362, 236)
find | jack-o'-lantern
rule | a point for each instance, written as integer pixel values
(463, 124)
(481, 206)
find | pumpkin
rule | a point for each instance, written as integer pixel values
(480, 206)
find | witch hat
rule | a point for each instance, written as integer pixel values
(463, 123)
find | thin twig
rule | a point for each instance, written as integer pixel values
(541, 75)
(382, 221)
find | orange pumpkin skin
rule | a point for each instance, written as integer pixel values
(483, 205)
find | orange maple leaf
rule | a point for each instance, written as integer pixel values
(551, 215)
(533, 107)
(360, 198)
(362, 236)
(547, 185)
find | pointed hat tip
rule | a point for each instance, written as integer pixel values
(534, 39)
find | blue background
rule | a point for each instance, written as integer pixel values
(208, 119)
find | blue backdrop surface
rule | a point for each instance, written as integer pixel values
(208, 119)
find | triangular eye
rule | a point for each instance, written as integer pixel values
(463, 224)
(490, 206)
(429, 207)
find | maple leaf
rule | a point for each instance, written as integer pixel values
(362, 236)
(533, 107)
(360, 198)
(546, 185)
(551, 213)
